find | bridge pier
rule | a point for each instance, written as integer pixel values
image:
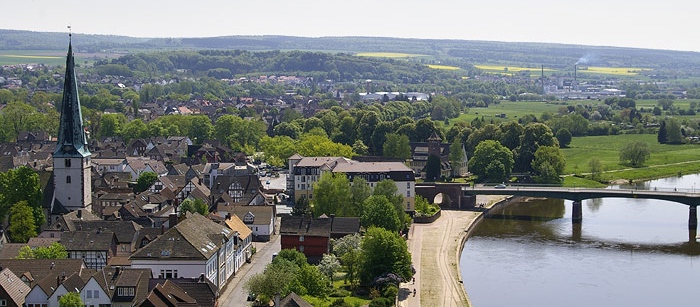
(577, 212)
(692, 223)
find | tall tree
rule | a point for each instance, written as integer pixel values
(433, 168)
(661, 137)
(534, 136)
(564, 137)
(201, 128)
(22, 225)
(397, 146)
(359, 191)
(331, 193)
(673, 131)
(21, 184)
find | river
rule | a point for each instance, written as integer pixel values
(626, 252)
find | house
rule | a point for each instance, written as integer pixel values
(44, 276)
(175, 292)
(305, 171)
(95, 294)
(125, 286)
(374, 172)
(138, 165)
(108, 165)
(127, 233)
(189, 249)
(259, 219)
(306, 235)
(95, 247)
(244, 248)
(237, 190)
(68, 283)
(12, 290)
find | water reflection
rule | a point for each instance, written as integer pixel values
(623, 248)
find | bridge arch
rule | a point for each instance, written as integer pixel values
(457, 199)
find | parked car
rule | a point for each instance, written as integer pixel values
(500, 186)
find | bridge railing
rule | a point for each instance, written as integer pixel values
(616, 187)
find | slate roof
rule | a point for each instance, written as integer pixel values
(297, 226)
(263, 214)
(10, 250)
(294, 300)
(112, 277)
(66, 222)
(38, 269)
(126, 231)
(202, 291)
(168, 294)
(88, 240)
(195, 238)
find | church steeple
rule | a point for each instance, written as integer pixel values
(72, 177)
(72, 141)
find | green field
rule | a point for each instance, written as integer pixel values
(14, 57)
(443, 67)
(512, 110)
(665, 159)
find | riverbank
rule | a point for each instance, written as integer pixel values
(435, 250)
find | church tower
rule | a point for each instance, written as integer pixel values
(71, 159)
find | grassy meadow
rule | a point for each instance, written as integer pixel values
(665, 160)
(15, 57)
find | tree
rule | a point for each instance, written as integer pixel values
(201, 128)
(388, 188)
(273, 281)
(312, 145)
(329, 265)
(70, 299)
(145, 180)
(397, 146)
(596, 168)
(548, 164)
(135, 129)
(564, 137)
(21, 184)
(383, 252)
(380, 212)
(54, 251)
(111, 124)
(331, 194)
(673, 132)
(534, 136)
(22, 225)
(665, 103)
(194, 206)
(635, 153)
(491, 161)
(457, 152)
(433, 168)
(347, 249)
(359, 191)
(661, 137)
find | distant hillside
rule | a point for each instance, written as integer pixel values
(481, 52)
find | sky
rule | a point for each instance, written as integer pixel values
(668, 24)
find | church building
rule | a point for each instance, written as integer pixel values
(71, 159)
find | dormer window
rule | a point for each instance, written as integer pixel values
(67, 162)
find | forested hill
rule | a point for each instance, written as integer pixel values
(484, 52)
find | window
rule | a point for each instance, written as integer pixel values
(301, 238)
(68, 179)
(88, 294)
(67, 162)
(96, 293)
(301, 248)
(408, 185)
(125, 291)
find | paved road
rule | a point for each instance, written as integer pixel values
(234, 294)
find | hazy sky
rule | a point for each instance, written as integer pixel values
(668, 24)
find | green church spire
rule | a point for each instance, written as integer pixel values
(72, 140)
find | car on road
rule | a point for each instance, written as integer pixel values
(500, 186)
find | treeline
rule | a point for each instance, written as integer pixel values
(228, 64)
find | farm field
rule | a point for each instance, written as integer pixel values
(444, 67)
(389, 55)
(14, 57)
(616, 71)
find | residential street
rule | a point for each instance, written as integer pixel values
(234, 294)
